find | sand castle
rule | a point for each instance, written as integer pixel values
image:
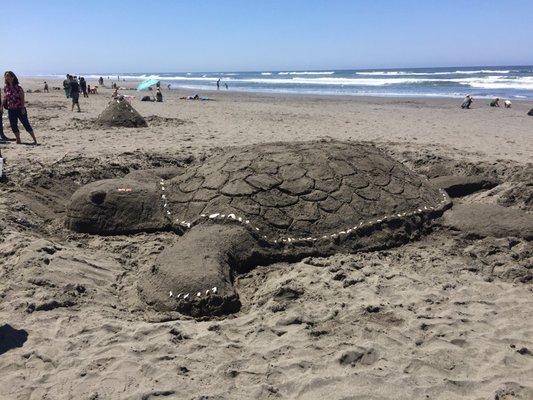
(120, 113)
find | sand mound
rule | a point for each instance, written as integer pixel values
(121, 113)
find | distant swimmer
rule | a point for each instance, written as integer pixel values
(467, 102)
(495, 102)
(507, 103)
(225, 84)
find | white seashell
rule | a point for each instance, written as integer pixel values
(168, 212)
(170, 294)
(214, 290)
(207, 292)
(188, 224)
(256, 229)
(214, 215)
(232, 216)
(240, 219)
(198, 294)
(165, 205)
(223, 216)
(203, 215)
(178, 296)
(186, 296)
(246, 222)
(162, 188)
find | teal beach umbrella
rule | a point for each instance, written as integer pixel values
(147, 83)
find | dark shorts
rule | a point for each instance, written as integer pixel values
(75, 97)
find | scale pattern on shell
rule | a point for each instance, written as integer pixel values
(301, 191)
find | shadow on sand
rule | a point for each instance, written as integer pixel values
(11, 338)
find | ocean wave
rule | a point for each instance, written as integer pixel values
(307, 73)
(409, 73)
(266, 73)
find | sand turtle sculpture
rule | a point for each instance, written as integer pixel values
(256, 205)
(121, 113)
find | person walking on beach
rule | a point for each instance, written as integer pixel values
(45, 90)
(101, 81)
(66, 85)
(16, 109)
(83, 86)
(467, 102)
(218, 84)
(74, 90)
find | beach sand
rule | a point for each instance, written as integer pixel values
(446, 317)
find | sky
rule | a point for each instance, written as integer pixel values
(55, 36)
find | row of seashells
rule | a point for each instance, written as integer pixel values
(187, 296)
(362, 224)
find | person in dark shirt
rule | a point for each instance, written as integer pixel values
(45, 90)
(495, 102)
(66, 86)
(467, 102)
(74, 90)
(83, 86)
(159, 96)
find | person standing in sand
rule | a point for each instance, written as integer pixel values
(45, 89)
(83, 86)
(74, 90)
(218, 84)
(16, 110)
(66, 84)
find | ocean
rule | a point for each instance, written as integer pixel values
(514, 82)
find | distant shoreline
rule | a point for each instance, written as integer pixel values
(510, 82)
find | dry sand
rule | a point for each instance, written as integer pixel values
(447, 317)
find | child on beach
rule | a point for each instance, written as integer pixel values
(14, 103)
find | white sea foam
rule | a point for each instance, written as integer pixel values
(266, 73)
(307, 73)
(397, 73)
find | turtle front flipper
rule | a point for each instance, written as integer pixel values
(195, 275)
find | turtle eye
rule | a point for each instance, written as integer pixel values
(97, 198)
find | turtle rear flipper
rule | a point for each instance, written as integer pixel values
(195, 275)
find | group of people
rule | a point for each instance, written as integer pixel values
(468, 100)
(73, 87)
(218, 84)
(13, 101)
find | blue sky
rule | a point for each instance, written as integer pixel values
(55, 36)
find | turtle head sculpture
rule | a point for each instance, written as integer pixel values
(257, 205)
(116, 206)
